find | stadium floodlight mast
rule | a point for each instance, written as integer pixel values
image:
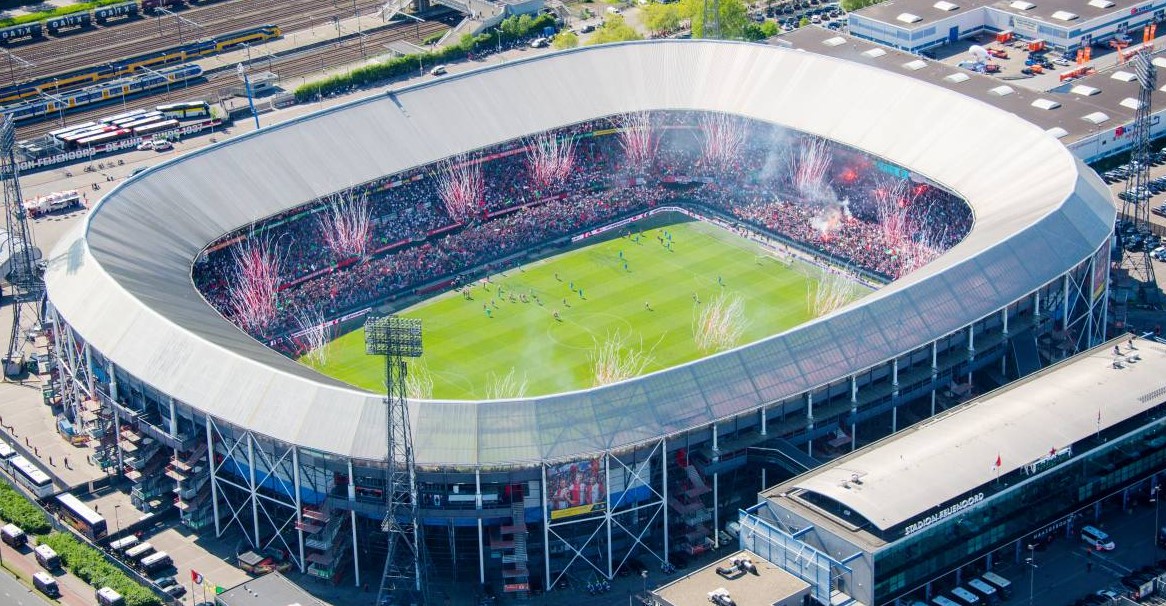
(397, 338)
(24, 276)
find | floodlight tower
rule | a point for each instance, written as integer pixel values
(1136, 206)
(24, 277)
(712, 20)
(398, 338)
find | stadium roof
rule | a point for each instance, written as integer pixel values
(272, 589)
(122, 280)
(907, 474)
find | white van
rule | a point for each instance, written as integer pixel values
(46, 557)
(46, 584)
(1097, 539)
(964, 596)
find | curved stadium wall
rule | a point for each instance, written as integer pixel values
(136, 339)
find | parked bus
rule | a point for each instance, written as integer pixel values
(81, 517)
(13, 536)
(31, 477)
(189, 109)
(109, 597)
(46, 584)
(1003, 585)
(154, 562)
(72, 127)
(6, 453)
(46, 557)
(137, 552)
(114, 118)
(123, 544)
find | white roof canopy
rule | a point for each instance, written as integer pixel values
(122, 280)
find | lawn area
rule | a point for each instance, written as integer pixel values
(492, 345)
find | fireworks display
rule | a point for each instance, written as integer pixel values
(462, 188)
(724, 136)
(616, 360)
(508, 386)
(924, 248)
(550, 159)
(253, 282)
(834, 290)
(719, 324)
(809, 166)
(892, 201)
(636, 138)
(345, 223)
(313, 336)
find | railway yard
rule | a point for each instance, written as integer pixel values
(354, 30)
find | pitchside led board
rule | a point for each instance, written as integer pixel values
(580, 488)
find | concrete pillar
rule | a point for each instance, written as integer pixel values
(853, 412)
(764, 429)
(299, 503)
(546, 533)
(253, 488)
(210, 457)
(352, 522)
(607, 513)
(664, 480)
(809, 423)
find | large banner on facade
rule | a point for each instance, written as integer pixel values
(576, 488)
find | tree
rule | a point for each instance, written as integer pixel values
(565, 39)
(853, 5)
(769, 29)
(734, 18)
(804, 22)
(661, 18)
(614, 29)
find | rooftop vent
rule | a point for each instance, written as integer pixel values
(1100, 4)
(1057, 132)
(835, 41)
(957, 77)
(1131, 103)
(946, 6)
(1045, 104)
(1123, 76)
(1064, 16)
(1095, 118)
(1002, 91)
(1084, 91)
(874, 52)
(1021, 5)
(915, 65)
(909, 18)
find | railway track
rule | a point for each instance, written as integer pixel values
(289, 67)
(107, 44)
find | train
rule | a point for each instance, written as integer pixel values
(81, 20)
(120, 88)
(128, 67)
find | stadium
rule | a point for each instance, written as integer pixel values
(530, 493)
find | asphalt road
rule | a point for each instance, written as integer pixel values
(12, 593)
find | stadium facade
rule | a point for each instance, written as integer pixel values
(182, 402)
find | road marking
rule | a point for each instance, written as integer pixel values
(1104, 562)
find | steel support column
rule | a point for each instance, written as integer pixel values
(299, 504)
(210, 449)
(252, 487)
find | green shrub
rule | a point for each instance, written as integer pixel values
(88, 564)
(17, 509)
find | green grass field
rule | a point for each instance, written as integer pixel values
(520, 348)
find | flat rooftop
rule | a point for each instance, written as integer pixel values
(906, 475)
(766, 587)
(1106, 93)
(272, 589)
(930, 11)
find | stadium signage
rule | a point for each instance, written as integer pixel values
(131, 143)
(946, 512)
(1052, 459)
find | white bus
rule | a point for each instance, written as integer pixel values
(31, 477)
(122, 116)
(154, 562)
(139, 551)
(6, 453)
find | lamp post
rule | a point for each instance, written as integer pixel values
(1031, 561)
(116, 523)
(1154, 499)
(58, 100)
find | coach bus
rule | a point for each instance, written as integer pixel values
(137, 552)
(31, 477)
(154, 562)
(188, 109)
(83, 519)
(6, 454)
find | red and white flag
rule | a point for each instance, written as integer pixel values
(196, 577)
(997, 464)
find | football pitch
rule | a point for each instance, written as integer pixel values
(542, 328)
